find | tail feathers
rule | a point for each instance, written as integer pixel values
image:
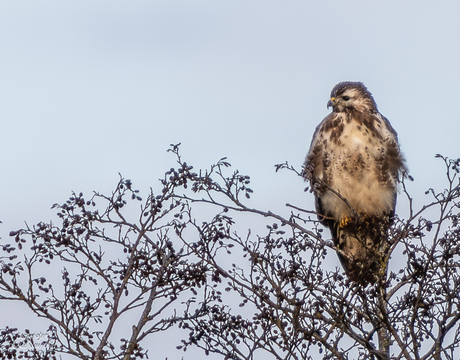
(359, 247)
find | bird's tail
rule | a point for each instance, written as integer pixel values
(361, 247)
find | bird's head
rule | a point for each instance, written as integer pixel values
(348, 95)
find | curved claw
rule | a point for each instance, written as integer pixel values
(345, 221)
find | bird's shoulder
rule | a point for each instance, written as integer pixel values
(337, 123)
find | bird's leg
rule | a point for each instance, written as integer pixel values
(345, 221)
(361, 217)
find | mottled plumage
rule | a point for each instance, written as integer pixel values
(354, 164)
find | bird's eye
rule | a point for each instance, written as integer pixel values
(346, 98)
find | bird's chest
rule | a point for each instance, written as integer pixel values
(355, 144)
(354, 162)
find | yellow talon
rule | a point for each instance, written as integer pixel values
(345, 221)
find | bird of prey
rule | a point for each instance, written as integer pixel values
(354, 164)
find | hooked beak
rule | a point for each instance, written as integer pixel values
(331, 102)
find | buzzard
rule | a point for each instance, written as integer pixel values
(354, 164)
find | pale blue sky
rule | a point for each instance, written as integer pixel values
(92, 88)
(89, 89)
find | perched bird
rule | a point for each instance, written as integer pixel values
(354, 165)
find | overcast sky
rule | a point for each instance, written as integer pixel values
(89, 89)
